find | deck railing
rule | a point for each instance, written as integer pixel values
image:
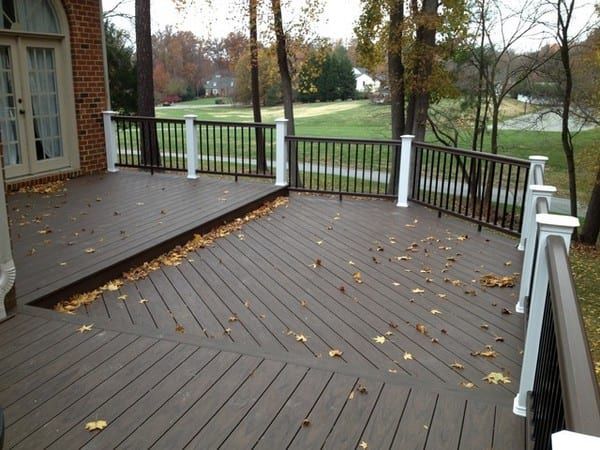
(483, 188)
(558, 389)
(343, 166)
(195, 146)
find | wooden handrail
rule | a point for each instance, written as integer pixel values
(581, 398)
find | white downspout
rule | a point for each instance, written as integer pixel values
(7, 264)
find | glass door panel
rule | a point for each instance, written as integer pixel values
(9, 112)
(44, 103)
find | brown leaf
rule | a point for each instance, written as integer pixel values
(90, 250)
(499, 339)
(492, 280)
(457, 365)
(363, 445)
(179, 328)
(506, 311)
(362, 389)
(142, 301)
(467, 384)
(335, 353)
(421, 328)
(232, 318)
(306, 423)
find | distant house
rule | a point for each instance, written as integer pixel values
(220, 86)
(364, 82)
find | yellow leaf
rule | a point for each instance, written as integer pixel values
(457, 365)
(90, 250)
(122, 297)
(142, 301)
(357, 277)
(496, 378)
(379, 339)
(467, 384)
(227, 331)
(85, 328)
(435, 312)
(408, 356)
(319, 242)
(96, 425)
(417, 291)
(232, 319)
(363, 445)
(335, 352)
(403, 258)
(301, 338)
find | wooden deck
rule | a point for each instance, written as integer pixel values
(123, 217)
(212, 359)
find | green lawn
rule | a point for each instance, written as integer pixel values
(362, 119)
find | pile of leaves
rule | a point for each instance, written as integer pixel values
(491, 280)
(47, 188)
(171, 258)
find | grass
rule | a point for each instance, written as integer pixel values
(363, 119)
(586, 272)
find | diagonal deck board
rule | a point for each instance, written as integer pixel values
(255, 385)
(117, 215)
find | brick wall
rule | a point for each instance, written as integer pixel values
(88, 79)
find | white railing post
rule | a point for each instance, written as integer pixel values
(548, 224)
(191, 144)
(529, 210)
(404, 172)
(535, 192)
(281, 156)
(110, 141)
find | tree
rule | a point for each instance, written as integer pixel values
(261, 157)
(121, 69)
(269, 81)
(591, 226)
(326, 75)
(145, 83)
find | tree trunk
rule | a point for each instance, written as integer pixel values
(495, 118)
(261, 157)
(286, 85)
(591, 227)
(396, 80)
(481, 74)
(145, 83)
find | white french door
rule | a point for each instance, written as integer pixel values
(32, 129)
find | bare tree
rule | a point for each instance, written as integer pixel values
(261, 159)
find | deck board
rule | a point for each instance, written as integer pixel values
(233, 375)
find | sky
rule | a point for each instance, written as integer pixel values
(336, 22)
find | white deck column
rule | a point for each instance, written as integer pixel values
(529, 210)
(535, 192)
(110, 140)
(7, 264)
(548, 224)
(191, 145)
(404, 172)
(281, 154)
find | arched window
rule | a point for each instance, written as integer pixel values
(34, 16)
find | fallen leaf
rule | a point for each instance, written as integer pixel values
(393, 370)
(351, 263)
(335, 353)
(396, 283)
(379, 339)
(489, 352)
(499, 339)
(319, 242)
(142, 301)
(227, 331)
(62, 264)
(90, 250)
(301, 338)
(403, 258)
(306, 423)
(351, 396)
(179, 328)
(442, 295)
(362, 389)
(122, 297)
(496, 378)
(232, 318)
(435, 312)
(457, 365)
(357, 277)
(506, 311)
(467, 384)
(363, 445)
(388, 333)
(492, 280)
(85, 328)
(96, 425)
(484, 326)
(508, 263)
(417, 291)
(408, 356)
(303, 303)
(421, 328)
